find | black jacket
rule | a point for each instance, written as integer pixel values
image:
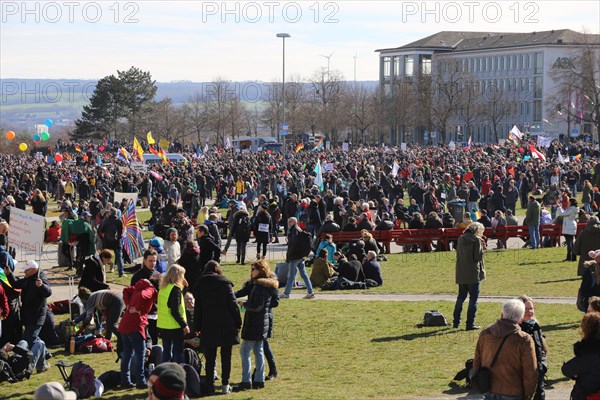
(256, 318)
(584, 369)
(92, 276)
(247, 289)
(292, 249)
(241, 234)
(216, 313)
(190, 260)
(209, 250)
(33, 298)
(20, 362)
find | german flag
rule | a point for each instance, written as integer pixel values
(77, 148)
(299, 147)
(153, 151)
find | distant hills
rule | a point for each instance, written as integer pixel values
(25, 102)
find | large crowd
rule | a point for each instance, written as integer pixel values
(179, 294)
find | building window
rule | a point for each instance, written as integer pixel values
(425, 61)
(387, 67)
(537, 110)
(471, 65)
(537, 87)
(508, 63)
(501, 63)
(397, 61)
(538, 63)
(528, 61)
(521, 61)
(408, 66)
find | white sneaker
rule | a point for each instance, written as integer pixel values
(309, 296)
(226, 389)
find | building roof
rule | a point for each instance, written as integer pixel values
(466, 41)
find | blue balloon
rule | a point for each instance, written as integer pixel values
(36, 138)
(49, 123)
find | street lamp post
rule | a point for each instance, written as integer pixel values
(283, 36)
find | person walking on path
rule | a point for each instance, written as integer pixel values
(470, 271)
(295, 261)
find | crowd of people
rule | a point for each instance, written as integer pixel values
(179, 292)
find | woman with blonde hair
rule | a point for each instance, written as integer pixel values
(172, 324)
(39, 204)
(202, 215)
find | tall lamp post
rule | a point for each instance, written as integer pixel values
(283, 36)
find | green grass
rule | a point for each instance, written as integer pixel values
(357, 350)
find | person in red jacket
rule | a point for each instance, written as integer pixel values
(53, 233)
(4, 308)
(138, 302)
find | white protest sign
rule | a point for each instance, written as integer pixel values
(138, 166)
(403, 146)
(328, 167)
(119, 196)
(26, 230)
(345, 147)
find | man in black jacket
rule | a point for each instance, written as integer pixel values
(35, 289)
(112, 229)
(295, 260)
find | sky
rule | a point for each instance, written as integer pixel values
(236, 40)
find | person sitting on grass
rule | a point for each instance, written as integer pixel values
(327, 243)
(322, 269)
(371, 268)
(52, 233)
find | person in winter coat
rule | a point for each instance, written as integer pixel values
(53, 233)
(569, 227)
(322, 269)
(256, 324)
(172, 324)
(217, 320)
(514, 375)
(470, 271)
(190, 260)
(172, 246)
(587, 241)
(262, 231)
(35, 289)
(241, 231)
(138, 300)
(327, 243)
(583, 368)
(93, 276)
(590, 280)
(530, 326)
(532, 220)
(209, 249)
(111, 230)
(4, 307)
(148, 271)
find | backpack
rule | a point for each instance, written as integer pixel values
(304, 243)
(190, 357)
(195, 385)
(244, 226)
(82, 380)
(434, 318)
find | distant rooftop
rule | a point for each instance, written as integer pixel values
(466, 41)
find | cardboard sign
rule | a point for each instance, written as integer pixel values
(27, 230)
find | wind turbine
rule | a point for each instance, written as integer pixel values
(328, 59)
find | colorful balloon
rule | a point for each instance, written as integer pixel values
(268, 151)
(49, 123)
(10, 135)
(36, 138)
(101, 148)
(36, 142)
(23, 146)
(58, 157)
(45, 136)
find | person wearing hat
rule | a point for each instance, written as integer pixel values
(169, 384)
(53, 391)
(156, 243)
(35, 289)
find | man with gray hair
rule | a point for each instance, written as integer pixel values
(514, 372)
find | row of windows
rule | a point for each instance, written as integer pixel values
(521, 62)
(403, 66)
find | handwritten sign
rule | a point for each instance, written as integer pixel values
(119, 196)
(26, 230)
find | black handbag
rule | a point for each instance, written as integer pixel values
(482, 379)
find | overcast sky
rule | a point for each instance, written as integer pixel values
(202, 40)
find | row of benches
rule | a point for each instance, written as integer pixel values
(445, 236)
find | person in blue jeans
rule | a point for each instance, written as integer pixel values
(532, 220)
(295, 262)
(470, 271)
(256, 324)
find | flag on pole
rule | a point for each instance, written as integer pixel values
(299, 147)
(469, 143)
(138, 151)
(516, 132)
(536, 154)
(153, 151)
(206, 147)
(227, 143)
(77, 148)
(319, 178)
(562, 159)
(3, 278)
(319, 144)
(149, 138)
(395, 169)
(123, 155)
(133, 242)
(161, 154)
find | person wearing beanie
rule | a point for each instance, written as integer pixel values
(156, 243)
(170, 385)
(53, 391)
(159, 369)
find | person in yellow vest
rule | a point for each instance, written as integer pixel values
(172, 324)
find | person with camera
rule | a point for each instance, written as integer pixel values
(514, 373)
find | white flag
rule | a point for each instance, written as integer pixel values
(319, 178)
(206, 147)
(561, 159)
(515, 131)
(395, 169)
(227, 143)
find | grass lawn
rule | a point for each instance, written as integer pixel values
(357, 350)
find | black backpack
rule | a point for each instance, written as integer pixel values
(304, 243)
(244, 226)
(434, 318)
(190, 357)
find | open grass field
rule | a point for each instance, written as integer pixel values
(357, 350)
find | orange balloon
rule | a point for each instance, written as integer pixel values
(10, 135)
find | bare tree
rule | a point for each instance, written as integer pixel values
(218, 109)
(445, 95)
(328, 89)
(469, 103)
(577, 80)
(236, 112)
(359, 109)
(197, 120)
